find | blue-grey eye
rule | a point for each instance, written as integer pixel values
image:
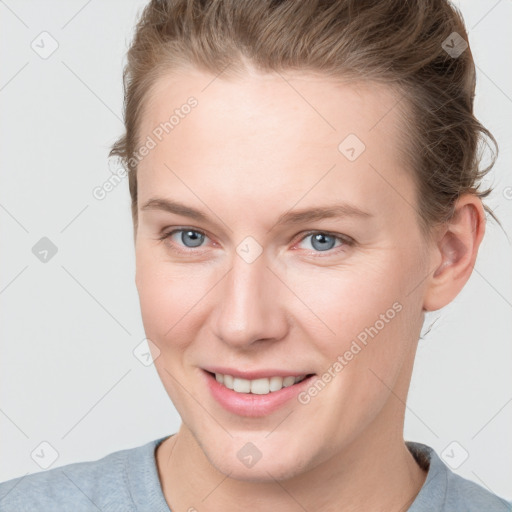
(189, 237)
(321, 241)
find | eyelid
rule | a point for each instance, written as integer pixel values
(167, 235)
(347, 241)
(344, 238)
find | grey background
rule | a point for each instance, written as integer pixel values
(69, 326)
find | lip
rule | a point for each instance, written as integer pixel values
(249, 404)
(255, 374)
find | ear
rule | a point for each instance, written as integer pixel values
(453, 252)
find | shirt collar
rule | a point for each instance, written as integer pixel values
(433, 491)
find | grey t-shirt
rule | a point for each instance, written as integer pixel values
(127, 481)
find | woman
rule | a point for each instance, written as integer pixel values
(305, 186)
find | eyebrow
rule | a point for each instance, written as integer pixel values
(291, 217)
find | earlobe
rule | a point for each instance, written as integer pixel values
(454, 252)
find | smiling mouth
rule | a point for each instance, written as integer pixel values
(262, 386)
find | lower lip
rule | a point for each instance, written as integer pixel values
(251, 404)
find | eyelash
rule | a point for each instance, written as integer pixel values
(347, 241)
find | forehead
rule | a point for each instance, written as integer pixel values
(260, 136)
(329, 108)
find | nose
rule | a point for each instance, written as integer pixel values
(250, 307)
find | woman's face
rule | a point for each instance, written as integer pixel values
(253, 286)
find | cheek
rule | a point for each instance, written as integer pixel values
(375, 320)
(346, 304)
(162, 296)
(170, 298)
(374, 337)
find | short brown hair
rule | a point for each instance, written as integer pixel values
(396, 42)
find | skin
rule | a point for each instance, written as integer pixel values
(254, 148)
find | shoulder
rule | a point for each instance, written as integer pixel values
(463, 494)
(445, 491)
(104, 484)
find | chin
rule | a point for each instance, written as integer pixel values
(242, 460)
(263, 471)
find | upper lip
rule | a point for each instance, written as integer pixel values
(255, 374)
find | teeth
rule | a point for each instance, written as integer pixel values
(257, 386)
(288, 381)
(228, 381)
(276, 383)
(242, 385)
(260, 386)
